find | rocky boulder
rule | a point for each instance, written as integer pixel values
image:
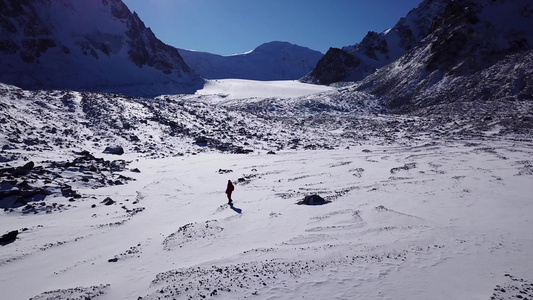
(9, 237)
(116, 150)
(313, 200)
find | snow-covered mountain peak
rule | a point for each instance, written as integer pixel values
(478, 57)
(355, 62)
(278, 46)
(87, 45)
(379, 49)
(269, 61)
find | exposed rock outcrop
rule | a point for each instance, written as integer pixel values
(90, 46)
(354, 63)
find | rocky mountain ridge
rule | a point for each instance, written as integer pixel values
(463, 59)
(87, 46)
(355, 62)
(481, 54)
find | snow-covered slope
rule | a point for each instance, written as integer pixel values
(107, 196)
(247, 89)
(418, 207)
(227, 115)
(88, 46)
(454, 61)
(353, 63)
(480, 56)
(269, 61)
(441, 220)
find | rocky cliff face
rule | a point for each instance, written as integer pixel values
(338, 65)
(379, 49)
(270, 61)
(479, 52)
(87, 45)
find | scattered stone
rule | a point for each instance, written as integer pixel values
(313, 200)
(9, 237)
(514, 288)
(117, 165)
(7, 171)
(17, 172)
(381, 208)
(358, 172)
(405, 167)
(67, 192)
(24, 170)
(92, 292)
(108, 201)
(240, 150)
(116, 150)
(201, 141)
(20, 186)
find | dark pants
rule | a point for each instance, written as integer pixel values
(229, 196)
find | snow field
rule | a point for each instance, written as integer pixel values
(436, 220)
(231, 89)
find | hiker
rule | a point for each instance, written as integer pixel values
(229, 190)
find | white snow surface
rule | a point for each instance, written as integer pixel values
(243, 89)
(409, 217)
(453, 224)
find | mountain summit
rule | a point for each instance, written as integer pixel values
(479, 55)
(269, 61)
(88, 46)
(454, 60)
(355, 62)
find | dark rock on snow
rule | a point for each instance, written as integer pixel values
(117, 150)
(24, 169)
(19, 171)
(9, 237)
(108, 201)
(313, 200)
(20, 186)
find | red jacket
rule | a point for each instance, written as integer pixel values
(230, 187)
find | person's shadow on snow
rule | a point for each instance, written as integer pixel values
(237, 210)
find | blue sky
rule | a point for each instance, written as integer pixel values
(227, 27)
